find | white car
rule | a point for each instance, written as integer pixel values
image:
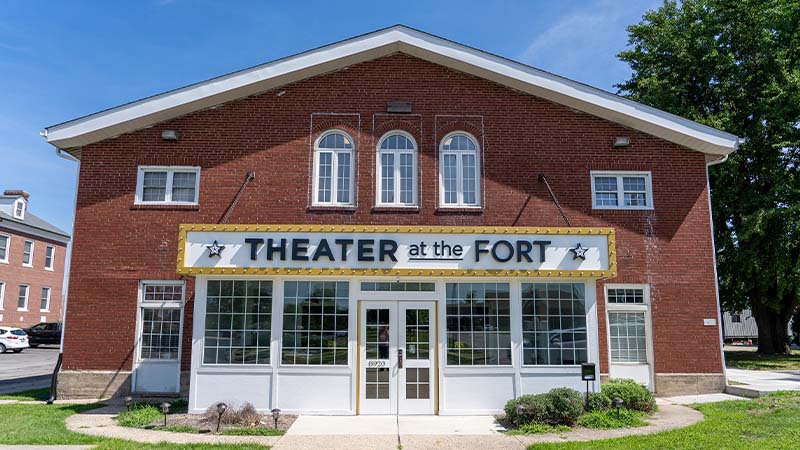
(13, 339)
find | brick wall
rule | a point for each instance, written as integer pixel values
(13, 274)
(117, 244)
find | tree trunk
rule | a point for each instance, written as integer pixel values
(772, 329)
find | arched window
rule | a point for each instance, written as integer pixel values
(333, 169)
(397, 170)
(459, 171)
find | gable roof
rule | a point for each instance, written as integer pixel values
(34, 226)
(72, 135)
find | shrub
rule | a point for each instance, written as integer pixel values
(246, 415)
(139, 415)
(598, 402)
(561, 406)
(564, 406)
(624, 418)
(634, 395)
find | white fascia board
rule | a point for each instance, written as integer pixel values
(149, 111)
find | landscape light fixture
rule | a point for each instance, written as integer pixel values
(221, 408)
(617, 404)
(621, 141)
(128, 402)
(170, 135)
(165, 409)
(276, 414)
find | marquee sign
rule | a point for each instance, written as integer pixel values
(396, 250)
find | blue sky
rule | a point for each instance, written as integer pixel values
(62, 60)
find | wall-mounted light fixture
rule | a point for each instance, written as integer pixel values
(170, 135)
(622, 141)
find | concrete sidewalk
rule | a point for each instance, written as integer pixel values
(757, 383)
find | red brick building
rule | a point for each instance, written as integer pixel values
(370, 227)
(32, 257)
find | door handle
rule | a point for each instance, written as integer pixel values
(399, 358)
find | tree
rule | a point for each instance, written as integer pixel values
(735, 65)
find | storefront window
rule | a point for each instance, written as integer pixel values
(553, 324)
(238, 322)
(315, 323)
(478, 324)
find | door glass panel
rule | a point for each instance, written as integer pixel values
(377, 337)
(377, 383)
(160, 333)
(418, 384)
(628, 338)
(417, 334)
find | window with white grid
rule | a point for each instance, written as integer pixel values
(45, 304)
(168, 185)
(397, 170)
(4, 241)
(163, 292)
(554, 324)
(478, 324)
(625, 296)
(238, 322)
(315, 318)
(621, 190)
(160, 333)
(628, 336)
(334, 164)
(459, 171)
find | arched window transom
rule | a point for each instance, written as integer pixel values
(397, 170)
(459, 171)
(333, 169)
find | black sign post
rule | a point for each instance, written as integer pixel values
(588, 373)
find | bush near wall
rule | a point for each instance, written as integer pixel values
(560, 406)
(634, 395)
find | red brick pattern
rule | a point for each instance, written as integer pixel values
(117, 244)
(14, 274)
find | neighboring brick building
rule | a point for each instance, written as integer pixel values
(32, 256)
(386, 198)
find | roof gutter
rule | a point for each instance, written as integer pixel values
(60, 153)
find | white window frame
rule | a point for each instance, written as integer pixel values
(27, 297)
(8, 247)
(49, 296)
(156, 304)
(21, 214)
(30, 261)
(170, 170)
(52, 257)
(334, 171)
(619, 175)
(643, 307)
(2, 294)
(459, 173)
(396, 188)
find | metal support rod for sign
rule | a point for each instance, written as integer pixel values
(249, 176)
(543, 179)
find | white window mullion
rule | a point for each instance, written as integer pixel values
(620, 192)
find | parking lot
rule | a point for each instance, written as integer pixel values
(30, 369)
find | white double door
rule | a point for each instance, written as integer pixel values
(397, 351)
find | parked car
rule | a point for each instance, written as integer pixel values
(13, 339)
(44, 333)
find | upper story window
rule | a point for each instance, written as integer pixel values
(27, 254)
(622, 190)
(397, 170)
(49, 256)
(4, 245)
(19, 209)
(459, 171)
(333, 169)
(22, 299)
(168, 185)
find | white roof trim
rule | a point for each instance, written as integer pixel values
(158, 108)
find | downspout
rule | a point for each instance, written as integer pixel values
(716, 275)
(54, 378)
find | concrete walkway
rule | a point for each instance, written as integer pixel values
(383, 432)
(757, 383)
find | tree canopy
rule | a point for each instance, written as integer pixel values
(735, 65)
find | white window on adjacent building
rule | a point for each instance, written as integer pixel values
(397, 170)
(22, 299)
(27, 254)
(49, 256)
(334, 168)
(459, 171)
(45, 306)
(628, 323)
(2, 294)
(622, 190)
(5, 244)
(19, 209)
(177, 185)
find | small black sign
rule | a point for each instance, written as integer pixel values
(588, 372)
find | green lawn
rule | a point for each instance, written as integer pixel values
(40, 424)
(24, 396)
(766, 423)
(742, 359)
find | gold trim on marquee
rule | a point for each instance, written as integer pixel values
(192, 271)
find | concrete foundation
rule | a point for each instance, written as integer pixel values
(671, 384)
(74, 384)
